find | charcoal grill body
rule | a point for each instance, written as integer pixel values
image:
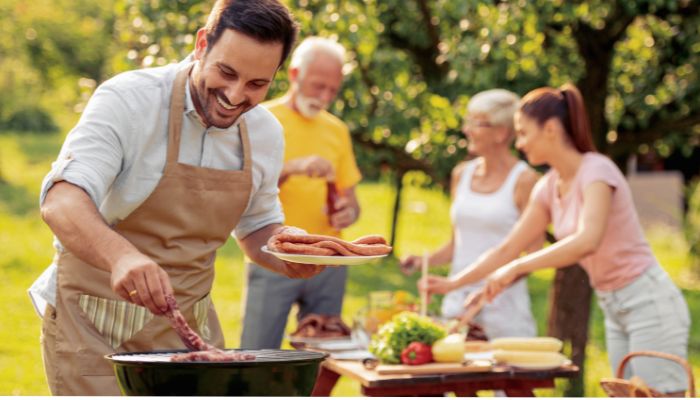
(272, 373)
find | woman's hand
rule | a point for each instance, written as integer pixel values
(410, 264)
(501, 279)
(436, 285)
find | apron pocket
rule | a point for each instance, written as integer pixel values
(201, 315)
(116, 320)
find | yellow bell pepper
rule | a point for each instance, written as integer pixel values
(449, 349)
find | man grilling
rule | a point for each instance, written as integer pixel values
(162, 166)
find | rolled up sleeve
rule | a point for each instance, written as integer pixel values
(93, 153)
(264, 207)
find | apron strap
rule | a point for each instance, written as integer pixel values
(177, 105)
(245, 141)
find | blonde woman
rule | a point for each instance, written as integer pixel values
(588, 202)
(488, 196)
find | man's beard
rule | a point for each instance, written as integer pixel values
(207, 103)
(309, 107)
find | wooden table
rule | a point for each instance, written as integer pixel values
(513, 382)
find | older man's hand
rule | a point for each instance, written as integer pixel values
(297, 270)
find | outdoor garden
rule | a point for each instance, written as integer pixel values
(414, 66)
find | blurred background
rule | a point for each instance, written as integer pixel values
(413, 66)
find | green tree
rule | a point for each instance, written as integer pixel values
(54, 54)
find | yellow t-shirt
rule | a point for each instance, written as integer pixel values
(303, 198)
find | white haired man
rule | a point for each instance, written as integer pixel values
(318, 157)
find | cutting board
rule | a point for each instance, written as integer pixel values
(434, 368)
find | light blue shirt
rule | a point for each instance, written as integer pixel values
(117, 152)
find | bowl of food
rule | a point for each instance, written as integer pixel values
(257, 373)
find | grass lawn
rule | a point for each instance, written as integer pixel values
(25, 250)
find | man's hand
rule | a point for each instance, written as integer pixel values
(316, 167)
(252, 243)
(411, 264)
(346, 214)
(296, 270)
(311, 166)
(76, 222)
(138, 279)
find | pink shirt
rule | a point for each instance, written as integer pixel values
(623, 253)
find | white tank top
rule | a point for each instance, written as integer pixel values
(480, 222)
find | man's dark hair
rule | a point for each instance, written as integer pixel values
(264, 20)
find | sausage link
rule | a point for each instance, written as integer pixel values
(370, 239)
(306, 249)
(356, 249)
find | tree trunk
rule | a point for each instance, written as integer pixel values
(397, 207)
(569, 311)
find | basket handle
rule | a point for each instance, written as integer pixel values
(672, 357)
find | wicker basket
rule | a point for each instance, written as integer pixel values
(619, 387)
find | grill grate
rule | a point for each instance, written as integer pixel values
(283, 355)
(266, 355)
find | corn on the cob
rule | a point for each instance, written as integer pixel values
(530, 359)
(527, 344)
(476, 346)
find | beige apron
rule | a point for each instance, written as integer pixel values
(189, 215)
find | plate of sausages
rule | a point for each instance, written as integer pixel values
(322, 260)
(295, 245)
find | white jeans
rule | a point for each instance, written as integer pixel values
(648, 314)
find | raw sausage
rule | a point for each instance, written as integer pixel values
(201, 350)
(212, 356)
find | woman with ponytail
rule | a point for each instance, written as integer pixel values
(588, 202)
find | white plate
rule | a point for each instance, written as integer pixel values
(344, 345)
(482, 355)
(316, 341)
(351, 355)
(323, 260)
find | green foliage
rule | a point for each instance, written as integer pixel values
(403, 329)
(415, 64)
(54, 45)
(692, 221)
(68, 37)
(31, 119)
(153, 33)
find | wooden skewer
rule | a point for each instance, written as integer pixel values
(473, 306)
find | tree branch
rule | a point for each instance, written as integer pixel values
(401, 160)
(685, 8)
(423, 56)
(658, 128)
(433, 33)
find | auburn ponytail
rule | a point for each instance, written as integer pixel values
(564, 104)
